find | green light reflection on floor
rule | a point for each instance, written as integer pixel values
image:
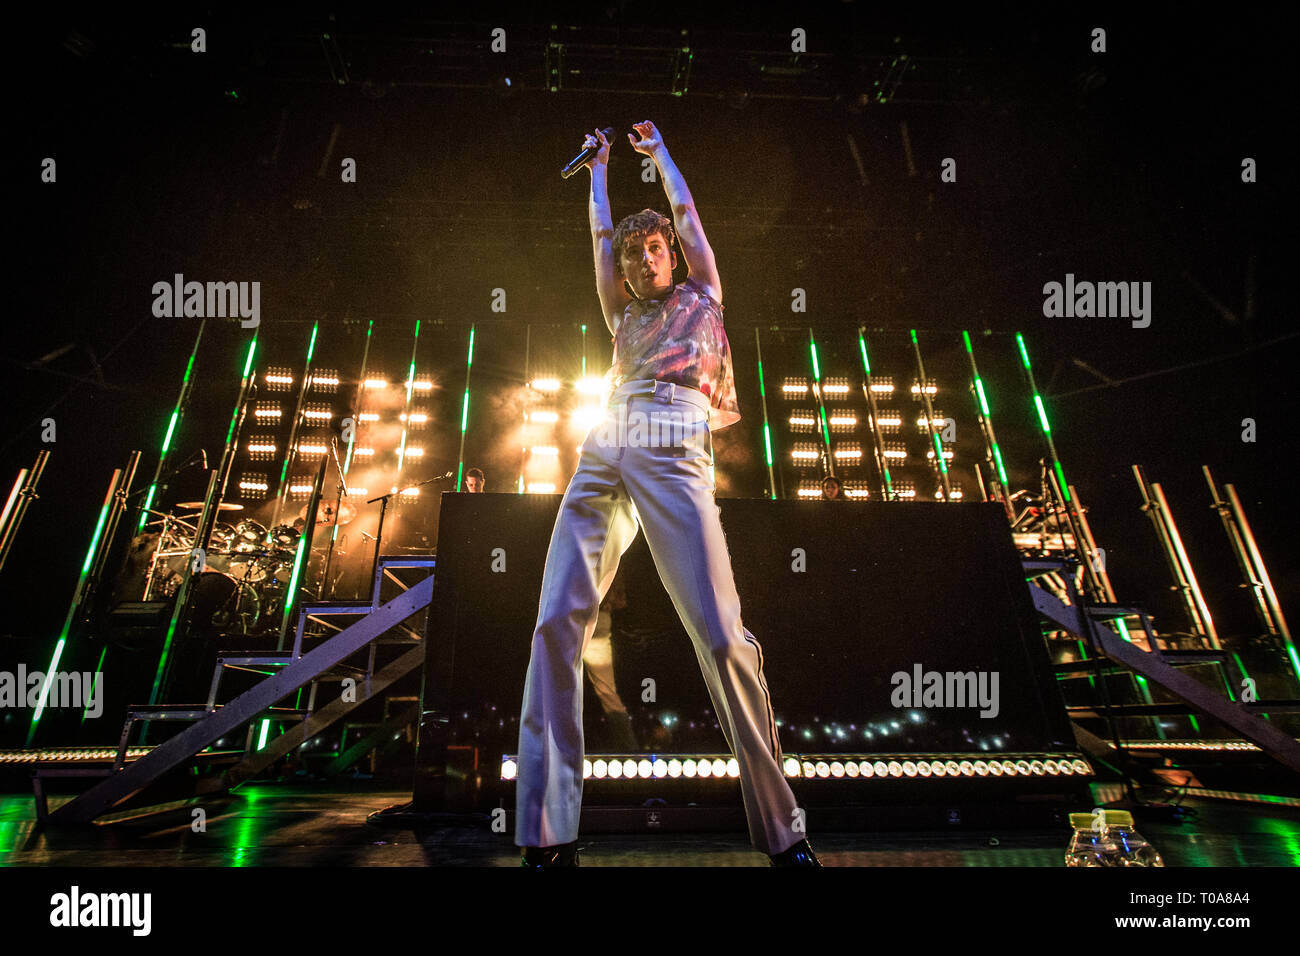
(246, 849)
(1287, 833)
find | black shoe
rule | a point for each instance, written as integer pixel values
(538, 857)
(801, 854)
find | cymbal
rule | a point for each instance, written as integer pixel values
(325, 513)
(198, 506)
(172, 519)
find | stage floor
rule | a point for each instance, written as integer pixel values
(280, 825)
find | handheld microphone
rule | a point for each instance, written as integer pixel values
(585, 156)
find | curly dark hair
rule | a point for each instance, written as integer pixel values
(639, 226)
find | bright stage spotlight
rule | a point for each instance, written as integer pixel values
(587, 416)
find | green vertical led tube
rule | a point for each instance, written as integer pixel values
(935, 442)
(1059, 474)
(821, 403)
(767, 425)
(877, 437)
(464, 411)
(357, 405)
(406, 411)
(70, 617)
(177, 411)
(291, 452)
(223, 475)
(1042, 417)
(994, 453)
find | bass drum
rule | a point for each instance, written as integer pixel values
(223, 605)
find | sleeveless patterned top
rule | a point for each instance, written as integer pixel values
(679, 339)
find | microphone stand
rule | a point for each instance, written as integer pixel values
(383, 510)
(162, 479)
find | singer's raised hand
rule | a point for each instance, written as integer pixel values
(602, 155)
(651, 139)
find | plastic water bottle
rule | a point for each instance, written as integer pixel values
(1107, 838)
(1091, 843)
(1134, 850)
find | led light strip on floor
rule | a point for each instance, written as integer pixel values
(1189, 745)
(825, 766)
(86, 755)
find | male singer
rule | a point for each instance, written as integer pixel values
(672, 368)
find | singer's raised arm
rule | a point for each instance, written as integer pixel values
(613, 297)
(690, 233)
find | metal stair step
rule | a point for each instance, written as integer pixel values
(253, 703)
(280, 659)
(1280, 706)
(414, 561)
(168, 711)
(1129, 710)
(200, 712)
(1076, 669)
(329, 610)
(1194, 657)
(1041, 565)
(1073, 615)
(1104, 612)
(1172, 658)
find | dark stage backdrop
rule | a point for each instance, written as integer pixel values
(884, 587)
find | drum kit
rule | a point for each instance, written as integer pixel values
(242, 586)
(1038, 529)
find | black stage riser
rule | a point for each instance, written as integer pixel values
(841, 596)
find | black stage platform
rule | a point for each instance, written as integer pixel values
(279, 825)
